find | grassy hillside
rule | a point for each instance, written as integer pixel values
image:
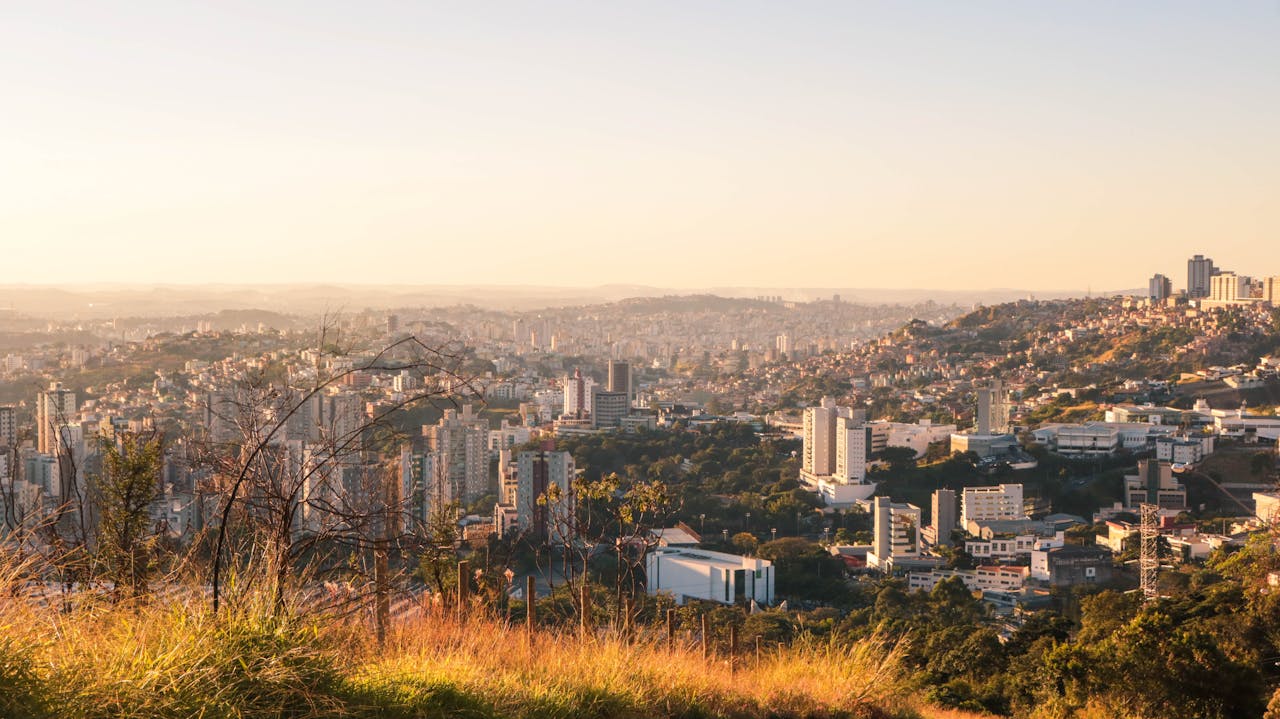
(173, 660)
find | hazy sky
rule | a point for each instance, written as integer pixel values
(684, 144)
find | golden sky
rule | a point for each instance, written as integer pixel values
(831, 144)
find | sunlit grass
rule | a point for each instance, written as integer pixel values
(176, 659)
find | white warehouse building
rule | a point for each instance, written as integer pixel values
(714, 576)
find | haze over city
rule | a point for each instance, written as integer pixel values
(621, 360)
(927, 145)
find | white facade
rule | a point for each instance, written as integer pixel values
(853, 450)
(988, 504)
(1011, 547)
(712, 576)
(895, 532)
(54, 407)
(577, 395)
(1267, 506)
(1098, 438)
(1008, 579)
(1183, 450)
(508, 436)
(819, 439)
(918, 436)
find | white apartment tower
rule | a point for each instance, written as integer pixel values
(853, 450)
(896, 531)
(54, 408)
(577, 395)
(819, 439)
(1229, 287)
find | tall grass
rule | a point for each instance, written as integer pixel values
(502, 673)
(175, 659)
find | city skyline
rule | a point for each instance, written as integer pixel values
(583, 145)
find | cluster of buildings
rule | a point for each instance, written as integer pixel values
(1018, 559)
(1213, 286)
(839, 446)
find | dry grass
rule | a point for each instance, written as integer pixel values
(562, 675)
(178, 660)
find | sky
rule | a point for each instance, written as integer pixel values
(948, 145)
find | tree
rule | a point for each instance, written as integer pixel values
(128, 484)
(900, 459)
(437, 560)
(745, 542)
(610, 514)
(804, 569)
(285, 502)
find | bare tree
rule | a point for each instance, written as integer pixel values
(307, 472)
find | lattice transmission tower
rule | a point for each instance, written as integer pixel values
(1149, 552)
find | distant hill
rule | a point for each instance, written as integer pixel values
(107, 300)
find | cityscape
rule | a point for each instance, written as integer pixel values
(619, 361)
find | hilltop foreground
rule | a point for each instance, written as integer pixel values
(171, 660)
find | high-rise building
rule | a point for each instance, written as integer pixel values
(544, 516)
(221, 415)
(54, 407)
(881, 519)
(895, 532)
(340, 418)
(853, 450)
(461, 442)
(783, 344)
(620, 380)
(607, 408)
(944, 515)
(1159, 288)
(993, 410)
(819, 439)
(577, 395)
(8, 427)
(424, 487)
(1229, 287)
(1200, 271)
(1271, 291)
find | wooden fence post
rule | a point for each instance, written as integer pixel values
(464, 584)
(382, 592)
(758, 638)
(671, 629)
(733, 648)
(531, 606)
(706, 638)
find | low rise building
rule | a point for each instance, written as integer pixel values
(1154, 484)
(711, 576)
(1070, 565)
